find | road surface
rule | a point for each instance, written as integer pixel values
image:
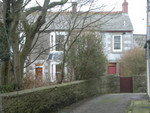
(109, 103)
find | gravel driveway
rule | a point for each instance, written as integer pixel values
(109, 103)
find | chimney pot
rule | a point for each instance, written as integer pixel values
(74, 8)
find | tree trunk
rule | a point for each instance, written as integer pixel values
(10, 75)
(4, 73)
(18, 70)
(63, 68)
(7, 76)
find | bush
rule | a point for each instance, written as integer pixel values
(133, 62)
(7, 88)
(87, 57)
(51, 99)
(30, 81)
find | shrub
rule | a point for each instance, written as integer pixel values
(133, 62)
(30, 81)
(87, 57)
(7, 88)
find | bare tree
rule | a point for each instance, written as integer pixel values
(79, 22)
(73, 23)
(15, 20)
(22, 28)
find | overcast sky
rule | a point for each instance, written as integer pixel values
(137, 12)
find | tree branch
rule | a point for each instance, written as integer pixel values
(39, 8)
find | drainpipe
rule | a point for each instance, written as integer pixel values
(148, 47)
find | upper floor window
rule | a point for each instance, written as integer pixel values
(52, 41)
(57, 41)
(117, 43)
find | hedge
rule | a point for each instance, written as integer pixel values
(52, 98)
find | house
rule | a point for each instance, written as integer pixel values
(118, 38)
(139, 40)
(115, 28)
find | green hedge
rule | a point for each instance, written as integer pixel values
(53, 98)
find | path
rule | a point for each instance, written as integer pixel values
(110, 103)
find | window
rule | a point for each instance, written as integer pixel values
(52, 41)
(57, 41)
(53, 71)
(117, 43)
(58, 72)
(39, 70)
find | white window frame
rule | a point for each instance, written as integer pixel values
(53, 44)
(117, 50)
(53, 71)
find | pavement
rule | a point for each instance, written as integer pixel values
(109, 103)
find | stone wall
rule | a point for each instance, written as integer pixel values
(110, 84)
(52, 98)
(139, 84)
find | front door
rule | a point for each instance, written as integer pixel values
(112, 69)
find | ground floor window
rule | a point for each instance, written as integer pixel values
(39, 70)
(58, 72)
(55, 71)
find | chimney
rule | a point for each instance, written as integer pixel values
(125, 7)
(74, 8)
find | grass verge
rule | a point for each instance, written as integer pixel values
(139, 106)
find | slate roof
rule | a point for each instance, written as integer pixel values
(118, 22)
(139, 40)
(101, 21)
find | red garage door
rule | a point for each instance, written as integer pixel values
(112, 68)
